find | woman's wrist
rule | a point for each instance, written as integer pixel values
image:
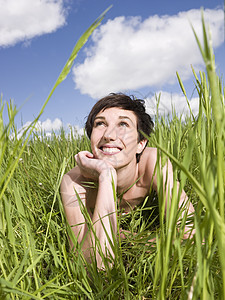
(108, 174)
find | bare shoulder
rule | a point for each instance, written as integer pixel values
(71, 181)
(150, 151)
(149, 157)
(147, 164)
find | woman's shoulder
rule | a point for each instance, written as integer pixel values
(149, 155)
(71, 180)
(73, 173)
(147, 163)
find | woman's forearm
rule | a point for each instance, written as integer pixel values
(104, 218)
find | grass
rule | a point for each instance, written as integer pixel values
(35, 261)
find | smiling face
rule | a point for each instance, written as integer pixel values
(115, 138)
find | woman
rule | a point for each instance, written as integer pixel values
(120, 157)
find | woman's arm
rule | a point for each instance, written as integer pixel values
(104, 209)
(71, 183)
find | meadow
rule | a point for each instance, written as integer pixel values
(35, 260)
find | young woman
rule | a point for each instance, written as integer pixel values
(119, 154)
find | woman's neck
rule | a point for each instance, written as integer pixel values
(126, 177)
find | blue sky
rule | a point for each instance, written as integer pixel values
(137, 50)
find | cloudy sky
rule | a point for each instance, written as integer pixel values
(137, 49)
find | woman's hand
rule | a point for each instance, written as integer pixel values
(93, 168)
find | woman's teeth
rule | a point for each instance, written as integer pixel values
(110, 150)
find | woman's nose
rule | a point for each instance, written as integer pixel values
(110, 133)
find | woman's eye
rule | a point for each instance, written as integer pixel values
(123, 124)
(100, 123)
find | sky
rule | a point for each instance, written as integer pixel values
(137, 50)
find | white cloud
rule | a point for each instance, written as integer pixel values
(49, 125)
(131, 53)
(46, 126)
(75, 130)
(169, 102)
(21, 20)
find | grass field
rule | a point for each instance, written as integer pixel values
(35, 261)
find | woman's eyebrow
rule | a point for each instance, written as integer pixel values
(120, 117)
(99, 117)
(125, 117)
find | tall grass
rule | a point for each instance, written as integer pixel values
(35, 261)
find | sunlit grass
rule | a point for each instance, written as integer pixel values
(35, 261)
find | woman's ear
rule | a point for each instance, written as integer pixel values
(141, 146)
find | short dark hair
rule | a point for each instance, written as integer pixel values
(144, 121)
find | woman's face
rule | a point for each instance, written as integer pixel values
(115, 137)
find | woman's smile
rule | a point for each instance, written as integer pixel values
(110, 149)
(115, 135)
